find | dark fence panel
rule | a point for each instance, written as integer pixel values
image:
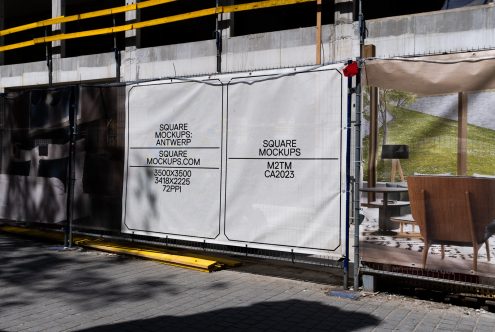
(34, 156)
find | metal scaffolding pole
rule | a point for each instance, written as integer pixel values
(348, 182)
(357, 152)
(72, 163)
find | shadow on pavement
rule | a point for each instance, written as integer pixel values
(88, 280)
(315, 274)
(291, 315)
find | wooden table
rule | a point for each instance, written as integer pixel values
(384, 213)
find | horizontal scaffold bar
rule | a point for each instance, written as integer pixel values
(78, 17)
(139, 25)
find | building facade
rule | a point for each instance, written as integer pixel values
(267, 38)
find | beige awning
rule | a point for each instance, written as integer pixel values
(433, 75)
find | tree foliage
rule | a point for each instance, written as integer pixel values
(388, 99)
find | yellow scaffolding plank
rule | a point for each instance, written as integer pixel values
(81, 34)
(72, 18)
(56, 20)
(261, 4)
(19, 28)
(17, 45)
(149, 23)
(220, 9)
(146, 4)
(175, 18)
(150, 3)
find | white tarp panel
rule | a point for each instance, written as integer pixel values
(284, 154)
(256, 161)
(174, 157)
(434, 75)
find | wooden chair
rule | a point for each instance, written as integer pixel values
(453, 210)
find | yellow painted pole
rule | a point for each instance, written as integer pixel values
(318, 32)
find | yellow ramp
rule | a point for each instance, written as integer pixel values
(188, 260)
(156, 255)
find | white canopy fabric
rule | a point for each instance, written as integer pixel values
(433, 75)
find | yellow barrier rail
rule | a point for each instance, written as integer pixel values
(144, 24)
(78, 17)
(175, 257)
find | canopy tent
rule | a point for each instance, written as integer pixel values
(434, 75)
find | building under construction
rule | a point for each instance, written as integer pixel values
(236, 125)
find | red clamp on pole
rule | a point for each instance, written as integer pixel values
(351, 69)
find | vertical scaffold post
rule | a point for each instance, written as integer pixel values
(218, 38)
(49, 59)
(72, 163)
(348, 182)
(357, 154)
(117, 54)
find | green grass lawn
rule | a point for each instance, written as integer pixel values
(433, 145)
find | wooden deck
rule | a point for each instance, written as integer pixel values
(402, 257)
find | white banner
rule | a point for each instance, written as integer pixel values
(256, 160)
(174, 159)
(284, 160)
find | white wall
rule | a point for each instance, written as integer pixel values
(469, 28)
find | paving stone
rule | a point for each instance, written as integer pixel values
(78, 291)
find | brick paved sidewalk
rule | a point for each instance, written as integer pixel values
(42, 289)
